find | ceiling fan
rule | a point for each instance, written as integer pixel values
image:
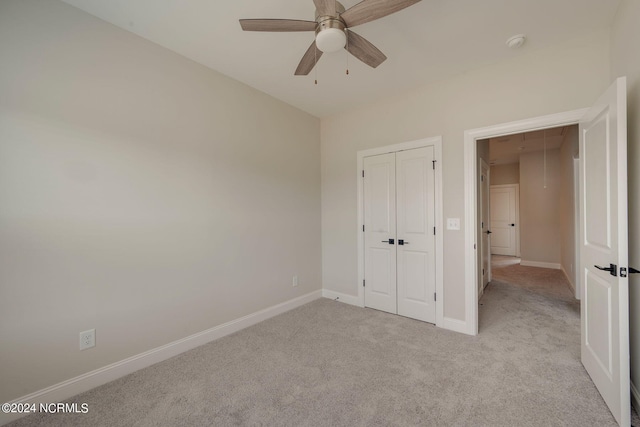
(333, 29)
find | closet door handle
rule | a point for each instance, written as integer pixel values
(402, 242)
(390, 241)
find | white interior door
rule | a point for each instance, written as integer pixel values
(416, 233)
(380, 232)
(503, 220)
(399, 233)
(603, 243)
(485, 241)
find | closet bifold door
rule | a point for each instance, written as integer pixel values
(380, 232)
(415, 210)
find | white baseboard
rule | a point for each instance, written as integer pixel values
(340, 297)
(71, 387)
(455, 325)
(571, 284)
(553, 265)
(635, 397)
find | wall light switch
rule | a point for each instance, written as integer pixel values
(453, 223)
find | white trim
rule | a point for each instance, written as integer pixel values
(571, 285)
(455, 325)
(484, 164)
(71, 387)
(340, 297)
(576, 223)
(470, 154)
(553, 265)
(436, 142)
(635, 397)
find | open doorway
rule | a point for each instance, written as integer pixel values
(604, 313)
(532, 218)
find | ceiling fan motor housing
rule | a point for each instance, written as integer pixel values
(330, 34)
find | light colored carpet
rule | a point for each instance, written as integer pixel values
(331, 364)
(544, 281)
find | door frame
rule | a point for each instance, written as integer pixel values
(517, 227)
(436, 143)
(576, 226)
(471, 137)
(481, 253)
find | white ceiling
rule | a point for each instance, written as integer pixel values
(507, 149)
(426, 42)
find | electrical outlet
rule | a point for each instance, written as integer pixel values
(295, 281)
(87, 339)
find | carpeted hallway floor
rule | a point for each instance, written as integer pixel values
(551, 283)
(331, 364)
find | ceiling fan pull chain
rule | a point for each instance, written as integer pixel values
(315, 68)
(347, 31)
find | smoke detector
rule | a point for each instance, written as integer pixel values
(516, 41)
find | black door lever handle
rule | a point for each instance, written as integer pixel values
(633, 270)
(612, 269)
(390, 241)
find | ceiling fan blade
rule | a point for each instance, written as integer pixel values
(370, 10)
(277, 25)
(309, 60)
(362, 49)
(325, 7)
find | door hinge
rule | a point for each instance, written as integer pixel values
(363, 173)
(483, 271)
(434, 164)
(363, 284)
(434, 231)
(362, 227)
(435, 298)
(482, 178)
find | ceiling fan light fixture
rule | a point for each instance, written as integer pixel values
(331, 40)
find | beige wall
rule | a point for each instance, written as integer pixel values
(625, 61)
(568, 152)
(505, 174)
(525, 86)
(141, 194)
(539, 207)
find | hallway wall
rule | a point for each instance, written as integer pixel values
(539, 208)
(505, 174)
